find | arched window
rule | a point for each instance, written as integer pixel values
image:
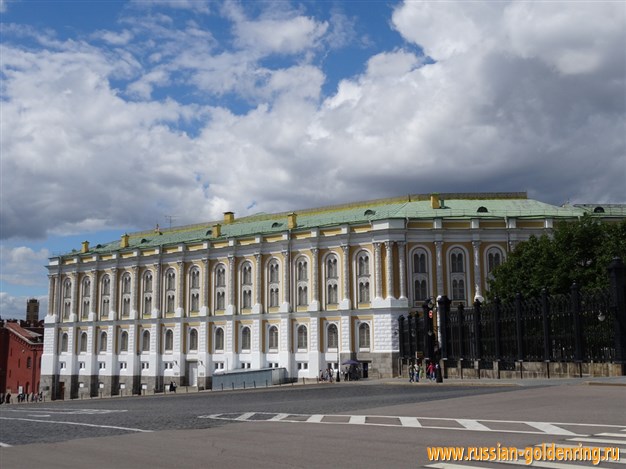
(220, 287)
(105, 300)
(302, 279)
(147, 282)
(458, 279)
(331, 267)
(194, 289)
(170, 291)
(86, 287)
(494, 259)
(83, 342)
(169, 340)
(126, 283)
(364, 292)
(333, 336)
(67, 288)
(106, 285)
(364, 336)
(64, 342)
(245, 338)
(420, 276)
(332, 280)
(124, 341)
(273, 283)
(103, 342)
(145, 341)
(246, 285)
(193, 339)
(302, 270)
(170, 280)
(363, 265)
(273, 338)
(302, 338)
(303, 298)
(219, 339)
(363, 277)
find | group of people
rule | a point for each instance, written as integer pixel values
(327, 375)
(422, 371)
(21, 397)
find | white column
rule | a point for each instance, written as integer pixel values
(180, 290)
(258, 289)
(134, 291)
(93, 295)
(230, 308)
(439, 266)
(389, 270)
(75, 287)
(286, 306)
(315, 303)
(204, 309)
(51, 294)
(378, 273)
(477, 279)
(402, 269)
(113, 304)
(156, 298)
(345, 277)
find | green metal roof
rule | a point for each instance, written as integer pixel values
(415, 207)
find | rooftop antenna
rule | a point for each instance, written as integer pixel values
(169, 218)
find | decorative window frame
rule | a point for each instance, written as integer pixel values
(273, 270)
(245, 285)
(331, 269)
(219, 331)
(363, 279)
(417, 276)
(455, 277)
(361, 346)
(327, 335)
(220, 284)
(298, 328)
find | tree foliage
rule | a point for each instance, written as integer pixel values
(576, 252)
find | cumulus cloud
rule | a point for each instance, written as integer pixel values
(22, 265)
(509, 101)
(14, 307)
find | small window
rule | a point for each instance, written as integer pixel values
(276, 224)
(482, 209)
(369, 212)
(143, 240)
(598, 210)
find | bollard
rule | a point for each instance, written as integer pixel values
(232, 385)
(244, 384)
(265, 383)
(222, 386)
(254, 384)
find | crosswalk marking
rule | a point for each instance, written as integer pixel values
(357, 419)
(549, 428)
(474, 425)
(440, 423)
(410, 422)
(599, 440)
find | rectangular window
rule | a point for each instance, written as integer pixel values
(145, 365)
(122, 365)
(102, 365)
(62, 365)
(81, 365)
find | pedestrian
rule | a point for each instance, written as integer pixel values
(411, 373)
(418, 370)
(7, 398)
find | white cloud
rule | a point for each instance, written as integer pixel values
(22, 265)
(502, 109)
(14, 307)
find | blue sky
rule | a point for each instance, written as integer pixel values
(116, 115)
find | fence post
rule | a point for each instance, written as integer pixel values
(617, 278)
(444, 310)
(443, 303)
(578, 333)
(519, 330)
(496, 325)
(401, 335)
(460, 312)
(545, 309)
(477, 336)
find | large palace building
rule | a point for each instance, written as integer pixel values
(301, 291)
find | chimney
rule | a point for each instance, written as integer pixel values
(216, 230)
(229, 217)
(292, 221)
(85, 247)
(124, 242)
(434, 201)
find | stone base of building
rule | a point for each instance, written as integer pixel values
(475, 369)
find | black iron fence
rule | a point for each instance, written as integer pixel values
(574, 327)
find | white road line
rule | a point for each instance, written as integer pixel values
(619, 435)
(410, 422)
(317, 418)
(79, 424)
(245, 416)
(546, 464)
(601, 448)
(447, 465)
(278, 417)
(4, 445)
(474, 425)
(357, 419)
(598, 440)
(549, 428)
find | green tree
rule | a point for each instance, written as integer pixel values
(577, 251)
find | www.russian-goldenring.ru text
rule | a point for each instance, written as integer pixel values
(542, 452)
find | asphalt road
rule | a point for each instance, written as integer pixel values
(340, 425)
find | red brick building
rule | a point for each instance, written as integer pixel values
(21, 346)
